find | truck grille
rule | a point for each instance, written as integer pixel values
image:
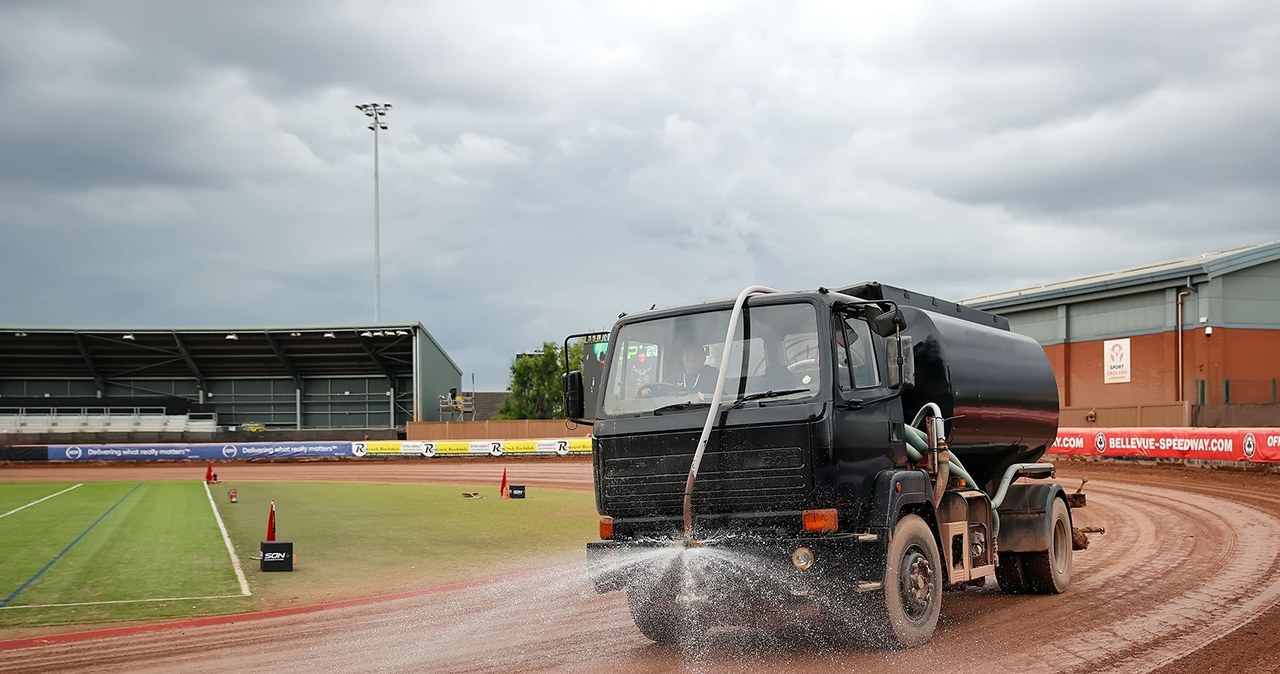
(646, 476)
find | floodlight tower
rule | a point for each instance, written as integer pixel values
(376, 111)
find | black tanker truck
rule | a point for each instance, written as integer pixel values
(836, 457)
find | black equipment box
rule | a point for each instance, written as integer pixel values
(515, 491)
(277, 555)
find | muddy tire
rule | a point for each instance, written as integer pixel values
(1049, 572)
(657, 616)
(912, 598)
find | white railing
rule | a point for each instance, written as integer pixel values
(457, 409)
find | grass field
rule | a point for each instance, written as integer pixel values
(104, 552)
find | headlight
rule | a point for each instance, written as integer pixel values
(803, 558)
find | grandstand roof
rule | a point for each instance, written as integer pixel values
(1172, 272)
(208, 352)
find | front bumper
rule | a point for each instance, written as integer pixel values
(741, 566)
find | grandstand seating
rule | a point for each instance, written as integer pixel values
(201, 423)
(99, 420)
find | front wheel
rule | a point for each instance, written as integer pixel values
(657, 615)
(912, 598)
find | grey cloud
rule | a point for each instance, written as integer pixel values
(548, 166)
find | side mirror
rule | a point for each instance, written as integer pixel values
(573, 403)
(888, 323)
(902, 362)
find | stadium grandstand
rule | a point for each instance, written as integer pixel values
(147, 385)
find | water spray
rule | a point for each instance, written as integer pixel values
(713, 411)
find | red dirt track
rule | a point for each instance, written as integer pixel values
(1186, 579)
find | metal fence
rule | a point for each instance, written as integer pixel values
(1155, 415)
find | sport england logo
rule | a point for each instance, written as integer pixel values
(1100, 442)
(73, 453)
(230, 451)
(1250, 445)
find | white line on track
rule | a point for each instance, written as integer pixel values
(244, 584)
(122, 601)
(42, 500)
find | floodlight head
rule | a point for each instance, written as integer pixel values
(128, 337)
(232, 335)
(366, 333)
(330, 335)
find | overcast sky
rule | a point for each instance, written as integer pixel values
(551, 164)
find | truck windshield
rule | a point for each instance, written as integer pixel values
(670, 364)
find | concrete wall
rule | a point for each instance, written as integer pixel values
(437, 373)
(1252, 297)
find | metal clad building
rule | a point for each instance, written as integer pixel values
(285, 378)
(1203, 329)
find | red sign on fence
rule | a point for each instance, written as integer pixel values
(1261, 445)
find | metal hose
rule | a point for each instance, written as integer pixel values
(917, 445)
(715, 406)
(944, 474)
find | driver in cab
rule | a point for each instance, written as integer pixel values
(697, 375)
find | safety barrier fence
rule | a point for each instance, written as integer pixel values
(224, 451)
(1259, 445)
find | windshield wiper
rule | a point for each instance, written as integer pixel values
(766, 394)
(679, 406)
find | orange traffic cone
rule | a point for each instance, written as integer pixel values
(503, 487)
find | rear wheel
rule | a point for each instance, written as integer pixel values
(912, 597)
(1043, 572)
(1049, 572)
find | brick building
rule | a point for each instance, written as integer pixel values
(1195, 333)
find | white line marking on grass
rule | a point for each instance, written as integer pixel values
(244, 584)
(123, 601)
(42, 500)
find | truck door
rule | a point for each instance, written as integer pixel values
(867, 423)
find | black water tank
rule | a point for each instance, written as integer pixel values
(996, 387)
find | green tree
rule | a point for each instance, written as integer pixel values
(536, 389)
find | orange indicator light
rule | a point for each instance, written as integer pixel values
(821, 521)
